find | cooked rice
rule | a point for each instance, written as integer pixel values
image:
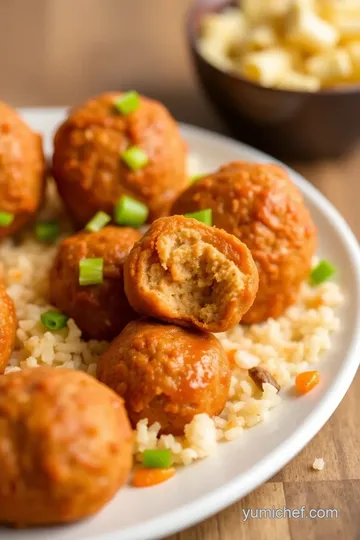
(318, 464)
(285, 347)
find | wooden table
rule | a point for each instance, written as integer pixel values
(55, 52)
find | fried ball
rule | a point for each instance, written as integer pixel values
(7, 327)
(260, 205)
(65, 446)
(100, 311)
(185, 272)
(22, 170)
(166, 373)
(87, 164)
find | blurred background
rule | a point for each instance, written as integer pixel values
(57, 52)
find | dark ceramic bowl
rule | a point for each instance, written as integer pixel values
(297, 125)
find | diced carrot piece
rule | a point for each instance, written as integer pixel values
(150, 477)
(307, 380)
(231, 357)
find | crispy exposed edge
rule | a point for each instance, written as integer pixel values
(227, 244)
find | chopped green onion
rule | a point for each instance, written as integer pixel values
(322, 272)
(91, 271)
(205, 216)
(6, 218)
(128, 103)
(129, 211)
(135, 158)
(157, 459)
(54, 320)
(196, 177)
(98, 222)
(47, 231)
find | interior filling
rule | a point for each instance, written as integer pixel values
(193, 277)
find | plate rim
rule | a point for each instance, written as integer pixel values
(186, 515)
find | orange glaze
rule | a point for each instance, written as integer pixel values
(87, 164)
(260, 205)
(100, 311)
(65, 446)
(7, 327)
(22, 170)
(166, 373)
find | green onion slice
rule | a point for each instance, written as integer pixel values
(130, 212)
(135, 158)
(196, 177)
(205, 216)
(54, 320)
(128, 103)
(91, 271)
(98, 222)
(157, 459)
(6, 218)
(47, 231)
(322, 272)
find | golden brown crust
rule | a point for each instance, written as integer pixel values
(101, 311)
(260, 205)
(147, 250)
(166, 373)
(65, 446)
(88, 169)
(7, 327)
(22, 170)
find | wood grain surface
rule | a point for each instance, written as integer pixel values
(55, 52)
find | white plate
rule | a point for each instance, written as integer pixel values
(206, 487)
